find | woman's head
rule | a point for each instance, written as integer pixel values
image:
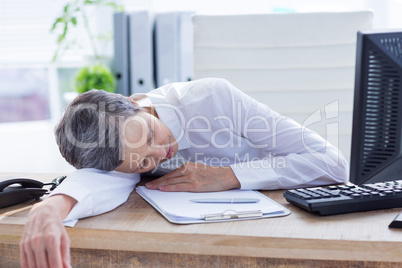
(147, 143)
(111, 132)
(89, 133)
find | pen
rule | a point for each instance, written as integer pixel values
(226, 200)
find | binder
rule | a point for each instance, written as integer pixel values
(178, 208)
(121, 53)
(173, 47)
(166, 48)
(141, 52)
(186, 57)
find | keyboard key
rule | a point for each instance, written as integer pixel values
(325, 195)
(347, 192)
(293, 192)
(305, 196)
(332, 187)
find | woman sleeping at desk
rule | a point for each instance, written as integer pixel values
(201, 136)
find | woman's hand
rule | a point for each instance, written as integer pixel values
(196, 177)
(45, 242)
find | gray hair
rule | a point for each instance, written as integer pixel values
(89, 133)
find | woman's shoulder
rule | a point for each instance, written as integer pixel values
(210, 87)
(197, 92)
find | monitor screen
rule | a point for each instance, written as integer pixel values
(376, 153)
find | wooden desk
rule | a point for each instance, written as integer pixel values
(137, 235)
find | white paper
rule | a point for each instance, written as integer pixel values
(70, 223)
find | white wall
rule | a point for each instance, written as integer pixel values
(30, 147)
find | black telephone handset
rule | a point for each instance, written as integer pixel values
(21, 183)
(19, 190)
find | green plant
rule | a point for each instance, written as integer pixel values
(96, 76)
(74, 12)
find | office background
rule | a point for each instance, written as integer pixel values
(34, 90)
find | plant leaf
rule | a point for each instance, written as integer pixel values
(74, 21)
(55, 56)
(63, 35)
(66, 8)
(57, 21)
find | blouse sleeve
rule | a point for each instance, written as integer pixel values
(290, 155)
(96, 191)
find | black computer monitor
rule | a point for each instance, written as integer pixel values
(376, 154)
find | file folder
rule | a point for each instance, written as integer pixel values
(177, 207)
(186, 66)
(173, 47)
(141, 52)
(121, 53)
(166, 48)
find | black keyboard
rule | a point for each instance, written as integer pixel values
(347, 198)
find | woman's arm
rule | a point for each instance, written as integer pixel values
(196, 177)
(84, 193)
(45, 242)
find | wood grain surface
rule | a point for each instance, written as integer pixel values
(136, 235)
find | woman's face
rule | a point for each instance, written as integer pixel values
(147, 143)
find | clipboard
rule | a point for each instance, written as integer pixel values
(177, 208)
